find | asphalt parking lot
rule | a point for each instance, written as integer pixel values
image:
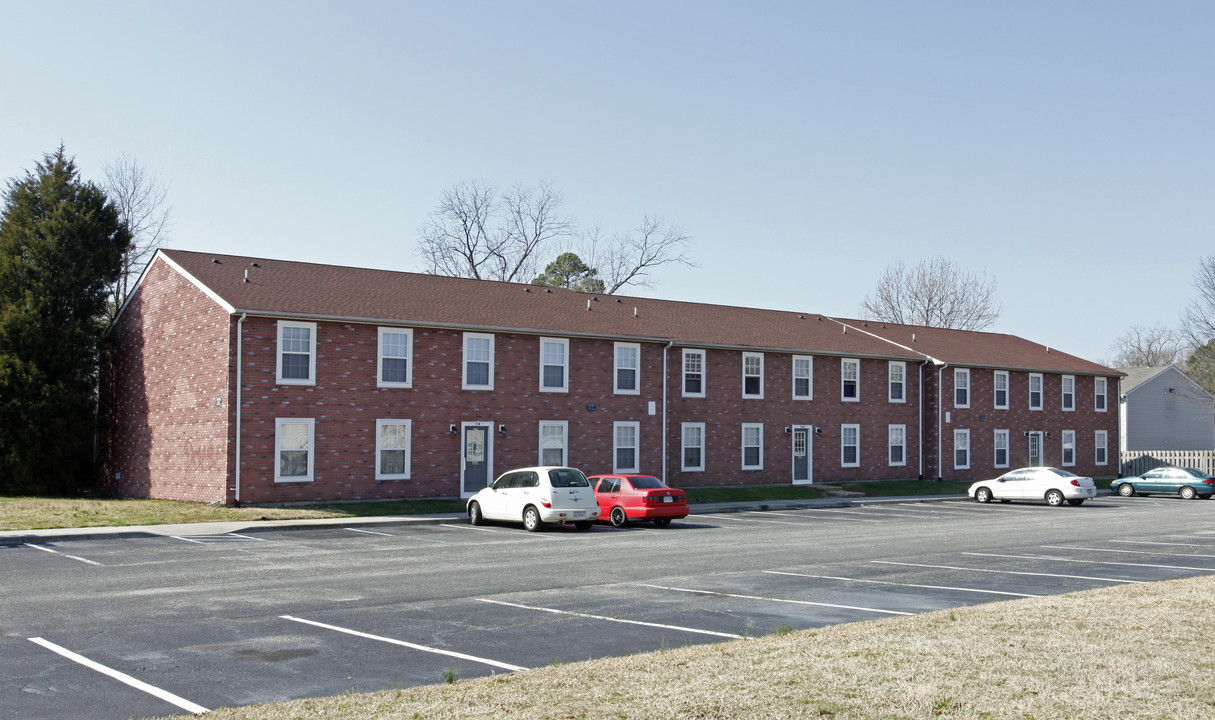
(150, 626)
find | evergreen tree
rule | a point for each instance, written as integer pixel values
(568, 271)
(61, 245)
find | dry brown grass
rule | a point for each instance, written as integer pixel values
(33, 513)
(1139, 651)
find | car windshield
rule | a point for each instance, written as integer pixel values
(567, 478)
(646, 482)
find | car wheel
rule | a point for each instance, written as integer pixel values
(584, 525)
(983, 495)
(1188, 492)
(474, 514)
(618, 518)
(663, 522)
(1126, 489)
(1076, 503)
(1054, 497)
(531, 519)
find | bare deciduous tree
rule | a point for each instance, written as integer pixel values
(1153, 346)
(1198, 319)
(141, 198)
(935, 293)
(479, 232)
(627, 258)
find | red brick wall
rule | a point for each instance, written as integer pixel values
(167, 436)
(982, 419)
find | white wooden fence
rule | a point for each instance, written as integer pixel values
(1140, 461)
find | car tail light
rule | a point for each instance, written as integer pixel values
(1076, 483)
(545, 502)
(1209, 481)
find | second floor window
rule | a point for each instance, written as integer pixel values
(1035, 391)
(296, 353)
(395, 368)
(628, 363)
(1000, 382)
(753, 375)
(850, 380)
(1099, 394)
(898, 381)
(803, 377)
(961, 388)
(1069, 392)
(554, 365)
(478, 361)
(694, 373)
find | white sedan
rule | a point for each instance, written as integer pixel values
(1053, 485)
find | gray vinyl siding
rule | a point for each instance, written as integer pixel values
(1168, 412)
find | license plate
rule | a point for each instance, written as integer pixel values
(579, 514)
(668, 498)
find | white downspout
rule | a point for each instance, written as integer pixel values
(239, 334)
(665, 381)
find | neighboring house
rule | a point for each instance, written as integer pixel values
(244, 380)
(1161, 408)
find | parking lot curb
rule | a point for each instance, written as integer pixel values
(21, 537)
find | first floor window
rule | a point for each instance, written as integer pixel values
(961, 449)
(392, 449)
(625, 448)
(1100, 440)
(1069, 448)
(1001, 446)
(693, 447)
(850, 445)
(898, 444)
(554, 437)
(293, 443)
(752, 446)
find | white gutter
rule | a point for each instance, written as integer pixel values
(239, 323)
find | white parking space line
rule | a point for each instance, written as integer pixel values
(727, 516)
(616, 620)
(370, 532)
(1009, 572)
(1135, 552)
(56, 552)
(469, 527)
(402, 643)
(1089, 562)
(777, 600)
(123, 677)
(216, 539)
(1169, 544)
(899, 584)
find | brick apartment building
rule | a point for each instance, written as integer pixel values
(246, 380)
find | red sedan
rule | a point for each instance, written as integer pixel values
(638, 497)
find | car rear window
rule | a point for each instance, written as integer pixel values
(567, 477)
(646, 483)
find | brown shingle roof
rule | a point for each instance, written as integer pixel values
(308, 290)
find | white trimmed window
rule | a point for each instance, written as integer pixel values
(897, 373)
(294, 440)
(554, 366)
(693, 447)
(1069, 392)
(961, 388)
(693, 373)
(296, 353)
(1099, 385)
(850, 445)
(753, 375)
(392, 449)
(1035, 391)
(961, 449)
(1000, 383)
(394, 367)
(850, 380)
(1101, 447)
(752, 446)
(1000, 443)
(625, 448)
(1069, 448)
(628, 369)
(554, 439)
(803, 377)
(898, 444)
(478, 361)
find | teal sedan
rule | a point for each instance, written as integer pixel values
(1186, 482)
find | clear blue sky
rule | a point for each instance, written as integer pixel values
(1067, 148)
